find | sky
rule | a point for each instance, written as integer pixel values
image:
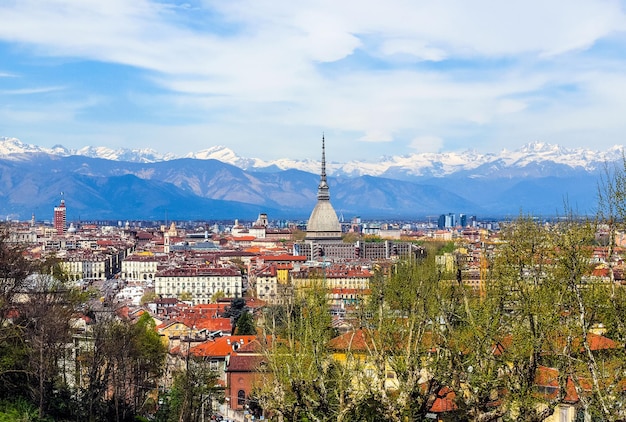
(267, 78)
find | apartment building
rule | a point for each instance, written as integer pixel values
(198, 284)
(141, 266)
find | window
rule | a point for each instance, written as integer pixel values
(241, 398)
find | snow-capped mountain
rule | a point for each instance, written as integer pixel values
(575, 157)
(10, 146)
(216, 183)
(13, 147)
(539, 154)
(431, 164)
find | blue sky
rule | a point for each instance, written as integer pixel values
(267, 77)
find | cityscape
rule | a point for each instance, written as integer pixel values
(355, 211)
(199, 281)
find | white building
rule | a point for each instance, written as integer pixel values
(198, 284)
(140, 267)
(87, 266)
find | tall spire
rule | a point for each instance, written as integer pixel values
(323, 225)
(322, 189)
(323, 158)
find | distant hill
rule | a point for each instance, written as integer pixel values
(538, 179)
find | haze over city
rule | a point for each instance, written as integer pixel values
(267, 78)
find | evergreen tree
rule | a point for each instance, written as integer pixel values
(245, 325)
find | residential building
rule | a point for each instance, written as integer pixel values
(141, 266)
(197, 284)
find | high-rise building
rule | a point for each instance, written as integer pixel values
(60, 218)
(323, 225)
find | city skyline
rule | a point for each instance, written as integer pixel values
(269, 78)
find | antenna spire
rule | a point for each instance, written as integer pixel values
(323, 158)
(322, 189)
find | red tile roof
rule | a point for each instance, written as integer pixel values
(548, 378)
(283, 257)
(596, 342)
(354, 340)
(444, 401)
(214, 324)
(221, 346)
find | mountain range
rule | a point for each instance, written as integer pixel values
(218, 184)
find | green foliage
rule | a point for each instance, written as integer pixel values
(185, 296)
(217, 296)
(245, 325)
(193, 391)
(240, 264)
(304, 382)
(123, 363)
(402, 334)
(350, 237)
(298, 235)
(427, 328)
(236, 309)
(148, 297)
(447, 247)
(19, 410)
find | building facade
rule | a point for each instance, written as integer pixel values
(60, 216)
(198, 284)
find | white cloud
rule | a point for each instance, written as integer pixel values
(510, 106)
(426, 144)
(376, 136)
(377, 72)
(31, 91)
(411, 48)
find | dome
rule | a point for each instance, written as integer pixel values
(323, 222)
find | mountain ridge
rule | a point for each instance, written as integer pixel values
(408, 166)
(538, 179)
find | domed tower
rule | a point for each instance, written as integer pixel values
(323, 225)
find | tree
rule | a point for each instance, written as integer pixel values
(507, 337)
(235, 310)
(303, 382)
(193, 391)
(535, 318)
(298, 235)
(14, 272)
(245, 325)
(404, 333)
(217, 296)
(45, 320)
(350, 237)
(185, 296)
(36, 305)
(148, 297)
(612, 220)
(123, 365)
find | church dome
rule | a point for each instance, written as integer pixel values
(323, 219)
